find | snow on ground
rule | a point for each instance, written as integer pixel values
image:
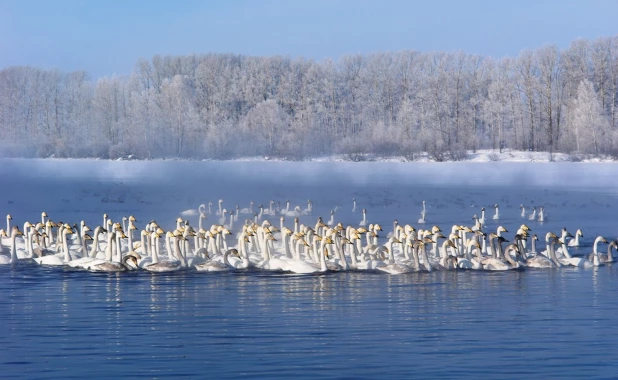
(575, 195)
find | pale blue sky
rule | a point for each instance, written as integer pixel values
(106, 37)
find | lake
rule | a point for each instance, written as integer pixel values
(65, 323)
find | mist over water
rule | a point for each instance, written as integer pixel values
(64, 323)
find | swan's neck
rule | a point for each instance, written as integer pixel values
(183, 262)
(286, 247)
(65, 246)
(565, 250)
(108, 249)
(425, 258)
(168, 248)
(29, 241)
(84, 248)
(153, 251)
(552, 254)
(118, 249)
(323, 267)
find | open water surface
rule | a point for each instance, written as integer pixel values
(63, 324)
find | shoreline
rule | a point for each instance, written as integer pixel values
(480, 156)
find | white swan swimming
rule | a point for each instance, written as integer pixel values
(541, 216)
(60, 258)
(423, 214)
(609, 258)
(363, 222)
(523, 211)
(575, 242)
(248, 210)
(497, 213)
(12, 259)
(532, 215)
(535, 260)
(217, 266)
(172, 265)
(309, 208)
(582, 262)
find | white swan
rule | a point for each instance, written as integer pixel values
(497, 213)
(217, 266)
(309, 208)
(609, 258)
(575, 242)
(248, 210)
(582, 262)
(541, 216)
(353, 204)
(536, 260)
(423, 214)
(532, 215)
(170, 266)
(363, 222)
(523, 211)
(12, 259)
(60, 258)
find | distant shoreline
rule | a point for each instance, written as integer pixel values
(480, 156)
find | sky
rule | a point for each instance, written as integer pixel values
(108, 37)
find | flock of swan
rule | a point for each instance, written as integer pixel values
(260, 242)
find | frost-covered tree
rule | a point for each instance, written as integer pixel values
(588, 123)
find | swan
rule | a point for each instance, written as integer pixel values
(481, 220)
(83, 262)
(423, 214)
(575, 242)
(170, 266)
(541, 216)
(497, 213)
(220, 210)
(536, 260)
(331, 221)
(12, 259)
(60, 258)
(523, 210)
(583, 262)
(353, 204)
(609, 258)
(532, 216)
(309, 208)
(217, 266)
(129, 262)
(363, 222)
(470, 262)
(248, 210)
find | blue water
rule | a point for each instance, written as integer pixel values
(71, 324)
(62, 324)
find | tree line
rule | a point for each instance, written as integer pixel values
(223, 106)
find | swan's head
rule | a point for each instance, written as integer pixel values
(453, 236)
(502, 239)
(87, 237)
(449, 243)
(44, 214)
(482, 208)
(525, 228)
(579, 232)
(435, 229)
(601, 239)
(9, 217)
(3, 232)
(473, 243)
